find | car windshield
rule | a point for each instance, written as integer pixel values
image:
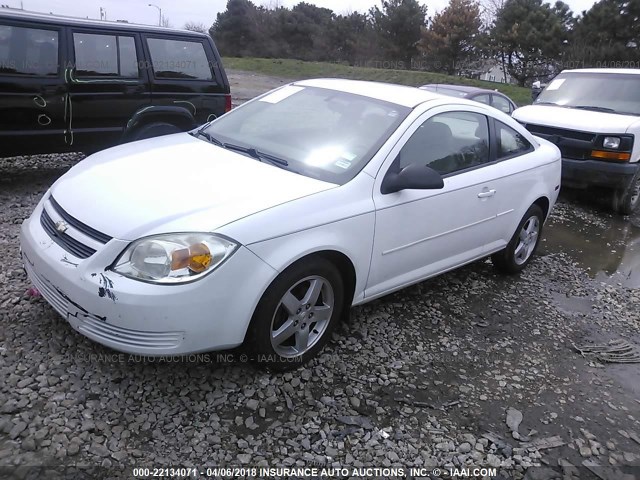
(604, 92)
(320, 133)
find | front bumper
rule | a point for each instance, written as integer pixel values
(212, 313)
(597, 173)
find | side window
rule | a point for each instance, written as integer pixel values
(179, 59)
(100, 55)
(449, 142)
(28, 51)
(482, 98)
(510, 142)
(501, 104)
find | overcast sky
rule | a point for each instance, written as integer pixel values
(202, 11)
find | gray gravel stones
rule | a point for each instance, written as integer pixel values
(418, 378)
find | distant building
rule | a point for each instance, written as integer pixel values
(492, 71)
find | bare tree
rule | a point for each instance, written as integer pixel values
(166, 23)
(196, 27)
(489, 11)
(272, 4)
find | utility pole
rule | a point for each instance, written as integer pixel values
(160, 13)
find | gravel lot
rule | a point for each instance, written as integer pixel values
(427, 377)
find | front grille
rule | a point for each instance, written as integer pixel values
(125, 337)
(67, 242)
(574, 153)
(78, 225)
(544, 131)
(77, 238)
(573, 144)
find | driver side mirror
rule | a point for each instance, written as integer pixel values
(412, 177)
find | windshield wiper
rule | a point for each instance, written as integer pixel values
(547, 103)
(252, 152)
(208, 136)
(594, 108)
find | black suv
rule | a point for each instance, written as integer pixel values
(79, 85)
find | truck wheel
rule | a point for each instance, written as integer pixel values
(155, 129)
(625, 201)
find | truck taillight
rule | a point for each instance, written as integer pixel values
(227, 103)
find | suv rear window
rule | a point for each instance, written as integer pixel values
(179, 59)
(100, 55)
(28, 51)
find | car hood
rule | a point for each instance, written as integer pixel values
(574, 119)
(173, 183)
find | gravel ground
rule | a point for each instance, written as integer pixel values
(467, 369)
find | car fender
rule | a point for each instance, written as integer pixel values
(340, 219)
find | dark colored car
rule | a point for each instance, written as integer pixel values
(482, 95)
(69, 84)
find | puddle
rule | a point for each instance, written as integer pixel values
(607, 246)
(572, 305)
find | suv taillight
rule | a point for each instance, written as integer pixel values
(227, 103)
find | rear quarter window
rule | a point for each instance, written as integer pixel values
(510, 142)
(179, 59)
(28, 51)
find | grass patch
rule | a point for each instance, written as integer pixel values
(299, 70)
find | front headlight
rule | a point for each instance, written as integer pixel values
(611, 142)
(174, 258)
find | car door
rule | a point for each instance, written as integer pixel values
(516, 169)
(32, 88)
(420, 233)
(106, 86)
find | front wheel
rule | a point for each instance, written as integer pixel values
(296, 315)
(519, 251)
(626, 201)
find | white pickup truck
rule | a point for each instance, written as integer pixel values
(593, 116)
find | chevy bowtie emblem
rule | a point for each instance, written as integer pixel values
(61, 226)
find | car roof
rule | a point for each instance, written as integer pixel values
(460, 88)
(628, 71)
(398, 94)
(50, 19)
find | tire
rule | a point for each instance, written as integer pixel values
(155, 129)
(303, 327)
(513, 259)
(625, 201)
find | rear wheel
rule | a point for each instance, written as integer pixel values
(155, 129)
(519, 251)
(296, 315)
(626, 201)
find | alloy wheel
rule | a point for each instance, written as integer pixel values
(527, 240)
(302, 316)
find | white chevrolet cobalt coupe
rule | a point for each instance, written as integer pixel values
(264, 226)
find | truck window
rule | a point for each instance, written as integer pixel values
(179, 59)
(28, 51)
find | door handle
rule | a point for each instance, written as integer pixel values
(487, 194)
